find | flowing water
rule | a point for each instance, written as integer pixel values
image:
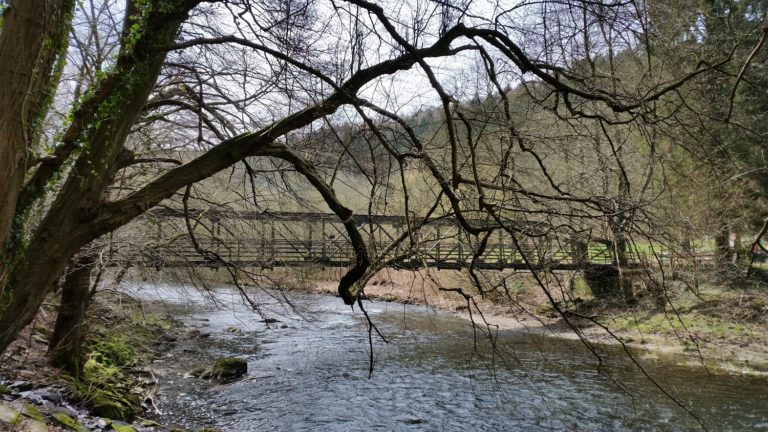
(309, 372)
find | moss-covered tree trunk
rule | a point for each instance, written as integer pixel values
(66, 342)
(107, 118)
(32, 38)
(80, 213)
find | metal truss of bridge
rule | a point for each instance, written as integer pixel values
(292, 239)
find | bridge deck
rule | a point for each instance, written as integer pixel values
(338, 253)
(291, 239)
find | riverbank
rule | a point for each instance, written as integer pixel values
(720, 329)
(116, 388)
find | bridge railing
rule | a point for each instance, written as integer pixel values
(283, 239)
(339, 252)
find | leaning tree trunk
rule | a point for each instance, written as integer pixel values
(33, 35)
(70, 222)
(80, 214)
(66, 342)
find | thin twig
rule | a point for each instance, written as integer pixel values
(742, 72)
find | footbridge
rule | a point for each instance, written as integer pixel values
(294, 239)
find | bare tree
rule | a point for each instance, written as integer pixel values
(241, 81)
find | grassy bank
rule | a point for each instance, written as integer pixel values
(719, 328)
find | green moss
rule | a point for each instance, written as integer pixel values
(68, 422)
(31, 411)
(223, 368)
(673, 324)
(547, 310)
(115, 350)
(581, 288)
(98, 372)
(105, 388)
(9, 415)
(229, 367)
(109, 405)
(123, 428)
(151, 324)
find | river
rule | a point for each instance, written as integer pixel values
(309, 372)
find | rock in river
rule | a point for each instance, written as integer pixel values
(225, 368)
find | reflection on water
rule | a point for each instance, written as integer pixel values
(310, 372)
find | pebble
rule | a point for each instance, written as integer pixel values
(21, 386)
(32, 395)
(64, 410)
(168, 337)
(51, 395)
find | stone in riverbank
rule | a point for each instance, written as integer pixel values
(8, 415)
(67, 421)
(225, 368)
(32, 425)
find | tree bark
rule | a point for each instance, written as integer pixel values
(723, 250)
(65, 345)
(625, 277)
(738, 248)
(31, 41)
(68, 225)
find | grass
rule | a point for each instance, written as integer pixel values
(729, 327)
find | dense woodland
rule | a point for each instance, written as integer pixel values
(632, 125)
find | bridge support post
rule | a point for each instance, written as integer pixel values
(324, 240)
(263, 240)
(579, 252)
(308, 257)
(272, 244)
(502, 247)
